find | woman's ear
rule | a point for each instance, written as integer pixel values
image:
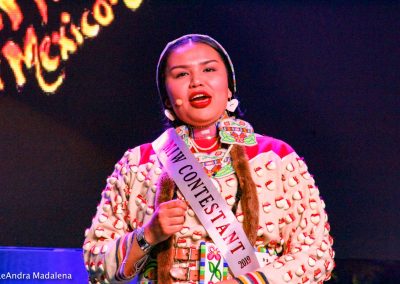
(167, 103)
(229, 94)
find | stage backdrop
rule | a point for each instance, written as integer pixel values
(78, 89)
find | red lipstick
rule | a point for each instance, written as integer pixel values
(199, 99)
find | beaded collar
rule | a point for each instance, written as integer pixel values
(231, 131)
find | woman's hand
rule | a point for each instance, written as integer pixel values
(166, 221)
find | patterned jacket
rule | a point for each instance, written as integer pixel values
(293, 224)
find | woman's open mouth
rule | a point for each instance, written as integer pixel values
(199, 99)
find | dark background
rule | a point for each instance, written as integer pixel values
(323, 76)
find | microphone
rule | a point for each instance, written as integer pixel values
(178, 102)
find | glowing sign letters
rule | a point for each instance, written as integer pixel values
(45, 55)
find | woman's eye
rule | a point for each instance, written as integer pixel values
(209, 69)
(180, 74)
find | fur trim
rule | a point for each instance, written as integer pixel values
(164, 250)
(249, 198)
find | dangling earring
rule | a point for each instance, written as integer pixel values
(169, 114)
(232, 105)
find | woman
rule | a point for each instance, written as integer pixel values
(146, 225)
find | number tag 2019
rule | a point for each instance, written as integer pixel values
(244, 261)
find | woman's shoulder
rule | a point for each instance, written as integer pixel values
(146, 150)
(268, 143)
(140, 154)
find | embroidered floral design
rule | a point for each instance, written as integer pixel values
(215, 164)
(214, 253)
(236, 131)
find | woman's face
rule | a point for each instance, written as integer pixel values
(196, 81)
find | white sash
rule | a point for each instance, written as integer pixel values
(206, 201)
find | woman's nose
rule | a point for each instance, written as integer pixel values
(196, 81)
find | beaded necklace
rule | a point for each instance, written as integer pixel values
(231, 131)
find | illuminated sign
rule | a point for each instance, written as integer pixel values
(45, 55)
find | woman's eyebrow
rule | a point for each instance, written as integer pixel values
(187, 66)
